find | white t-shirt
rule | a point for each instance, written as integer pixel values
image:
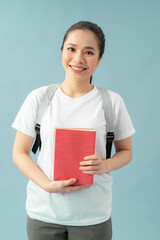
(87, 206)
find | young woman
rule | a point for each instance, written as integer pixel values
(59, 209)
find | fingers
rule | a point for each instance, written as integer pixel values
(93, 164)
(91, 157)
(69, 182)
(92, 171)
(91, 160)
(90, 168)
(67, 186)
(64, 186)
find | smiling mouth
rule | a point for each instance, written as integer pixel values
(77, 69)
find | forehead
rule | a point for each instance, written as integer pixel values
(82, 37)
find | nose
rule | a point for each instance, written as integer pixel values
(78, 57)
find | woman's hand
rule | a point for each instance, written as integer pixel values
(93, 164)
(65, 186)
(25, 163)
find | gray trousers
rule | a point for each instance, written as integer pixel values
(37, 230)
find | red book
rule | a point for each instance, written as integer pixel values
(70, 148)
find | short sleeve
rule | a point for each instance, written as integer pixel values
(123, 126)
(26, 118)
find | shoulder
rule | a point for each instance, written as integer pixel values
(33, 99)
(38, 92)
(116, 99)
(35, 96)
(117, 103)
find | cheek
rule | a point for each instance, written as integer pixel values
(65, 59)
(94, 64)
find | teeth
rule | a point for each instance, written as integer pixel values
(78, 68)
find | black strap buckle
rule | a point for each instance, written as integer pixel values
(110, 136)
(37, 128)
(109, 140)
(37, 143)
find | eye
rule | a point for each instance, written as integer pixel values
(71, 49)
(89, 53)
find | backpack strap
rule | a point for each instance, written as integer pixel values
(107, 106)
(108, 112)
(41, 110)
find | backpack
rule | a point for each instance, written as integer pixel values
(107, 106)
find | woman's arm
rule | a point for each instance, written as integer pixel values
(95, 165)
(22, 159)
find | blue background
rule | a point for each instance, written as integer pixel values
(31, 34)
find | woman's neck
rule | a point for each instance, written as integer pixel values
(76, 89)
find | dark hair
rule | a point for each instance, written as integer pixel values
(86, 25)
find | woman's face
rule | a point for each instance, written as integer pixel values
(80, 54)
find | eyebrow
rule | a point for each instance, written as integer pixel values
(86, 47)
